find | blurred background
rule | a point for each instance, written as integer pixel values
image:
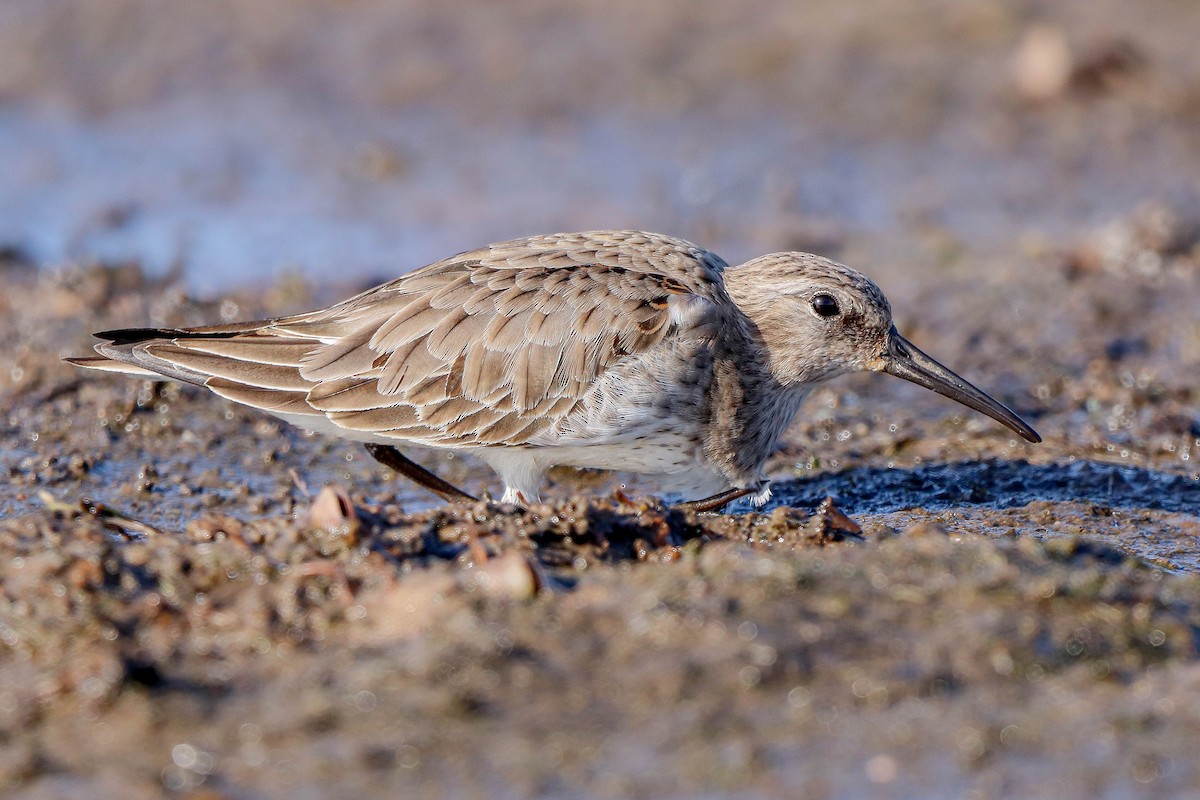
(351, 140)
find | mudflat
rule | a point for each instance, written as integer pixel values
(185, 607)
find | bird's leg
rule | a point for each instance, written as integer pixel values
(391, 457)
(719, 500)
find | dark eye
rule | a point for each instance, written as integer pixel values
(825, 305)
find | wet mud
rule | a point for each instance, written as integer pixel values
(186, 608)
(205, 602)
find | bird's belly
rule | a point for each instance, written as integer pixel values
(661, 454)
(674, 461)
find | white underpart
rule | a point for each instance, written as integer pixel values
(668, 458)
(518, 469)
(686, 309)
(621, 410)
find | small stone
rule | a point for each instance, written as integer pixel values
(510, 576)
(828, 524)
(333, 511)
(1041, 66)
(926, 529)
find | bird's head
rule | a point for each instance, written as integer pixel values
(819, 319)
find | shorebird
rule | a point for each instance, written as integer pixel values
(610, 349)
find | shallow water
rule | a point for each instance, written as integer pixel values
(237, 172)
(262, 188)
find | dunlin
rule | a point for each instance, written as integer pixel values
(611, 349)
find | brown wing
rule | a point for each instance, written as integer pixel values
(489, 347)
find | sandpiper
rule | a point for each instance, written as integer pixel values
(609, 349)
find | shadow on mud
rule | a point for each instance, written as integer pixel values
(999, 484)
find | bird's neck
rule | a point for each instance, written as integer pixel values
(749, 407)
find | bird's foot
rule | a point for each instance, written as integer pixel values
(761, 492)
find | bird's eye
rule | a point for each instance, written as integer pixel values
(825, 305)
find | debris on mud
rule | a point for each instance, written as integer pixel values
(208, 619)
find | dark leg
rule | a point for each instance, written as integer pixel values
(391, 457)
(718, 501)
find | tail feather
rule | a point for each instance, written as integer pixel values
(105, 364)
(136, 335)
(241, 353)
(136, 355)
(253, 363)
(278, 350)
(247, 373)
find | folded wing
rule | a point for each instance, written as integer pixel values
(489, 347)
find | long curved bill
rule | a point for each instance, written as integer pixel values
(904, 360)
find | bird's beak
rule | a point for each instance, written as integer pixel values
(904, 360)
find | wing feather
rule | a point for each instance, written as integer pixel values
(278, 350)
(489, 347)
(412, 322)
(456, 333)
(407, 367)
(348, 394)
(389, 418)
(247, 373)
(349, 355)
(265, 399)
(431, 390)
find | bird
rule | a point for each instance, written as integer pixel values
(620, 350)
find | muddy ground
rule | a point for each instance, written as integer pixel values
(184, 610)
